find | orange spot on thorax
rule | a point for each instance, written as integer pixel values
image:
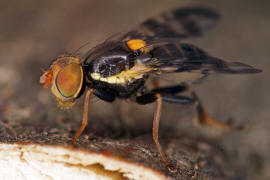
(135, 44)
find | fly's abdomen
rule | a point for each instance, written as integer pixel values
(178, 57)
(178, 51)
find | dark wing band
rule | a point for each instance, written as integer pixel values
(183, 57)
(167, 27)
(177, 24)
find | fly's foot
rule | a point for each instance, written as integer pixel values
(172, 167)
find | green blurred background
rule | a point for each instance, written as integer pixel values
(33, 33)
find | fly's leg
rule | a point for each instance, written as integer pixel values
(151, 97)
(155, 83)
(146, 99)
(168, 94)
(156, 127)
(170, 89)
(85, 115)
(203, 116)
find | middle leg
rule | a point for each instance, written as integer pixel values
(151, 97)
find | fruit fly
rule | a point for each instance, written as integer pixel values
(120, 66)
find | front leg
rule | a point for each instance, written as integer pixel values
(85, 115)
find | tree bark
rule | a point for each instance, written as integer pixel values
(39, 153)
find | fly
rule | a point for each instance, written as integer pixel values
(119, 67)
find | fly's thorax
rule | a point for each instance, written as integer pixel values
(119, 66)
(67, 80)
(111, 63)
(124, 77)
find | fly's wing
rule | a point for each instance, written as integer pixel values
(162, 34)
(170, 26)
(173, 25)
(192, 62)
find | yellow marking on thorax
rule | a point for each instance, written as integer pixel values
(135, 44)
(136, 72)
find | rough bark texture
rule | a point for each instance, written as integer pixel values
(35, 32)
(195, 158)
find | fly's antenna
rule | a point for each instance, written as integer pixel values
(77, 50)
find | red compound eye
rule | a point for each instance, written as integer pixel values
(68, 80)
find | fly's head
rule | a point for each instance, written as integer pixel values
(66, 77)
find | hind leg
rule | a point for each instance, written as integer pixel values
(168, 94)
(203, 116)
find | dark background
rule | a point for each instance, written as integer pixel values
(33, 33)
